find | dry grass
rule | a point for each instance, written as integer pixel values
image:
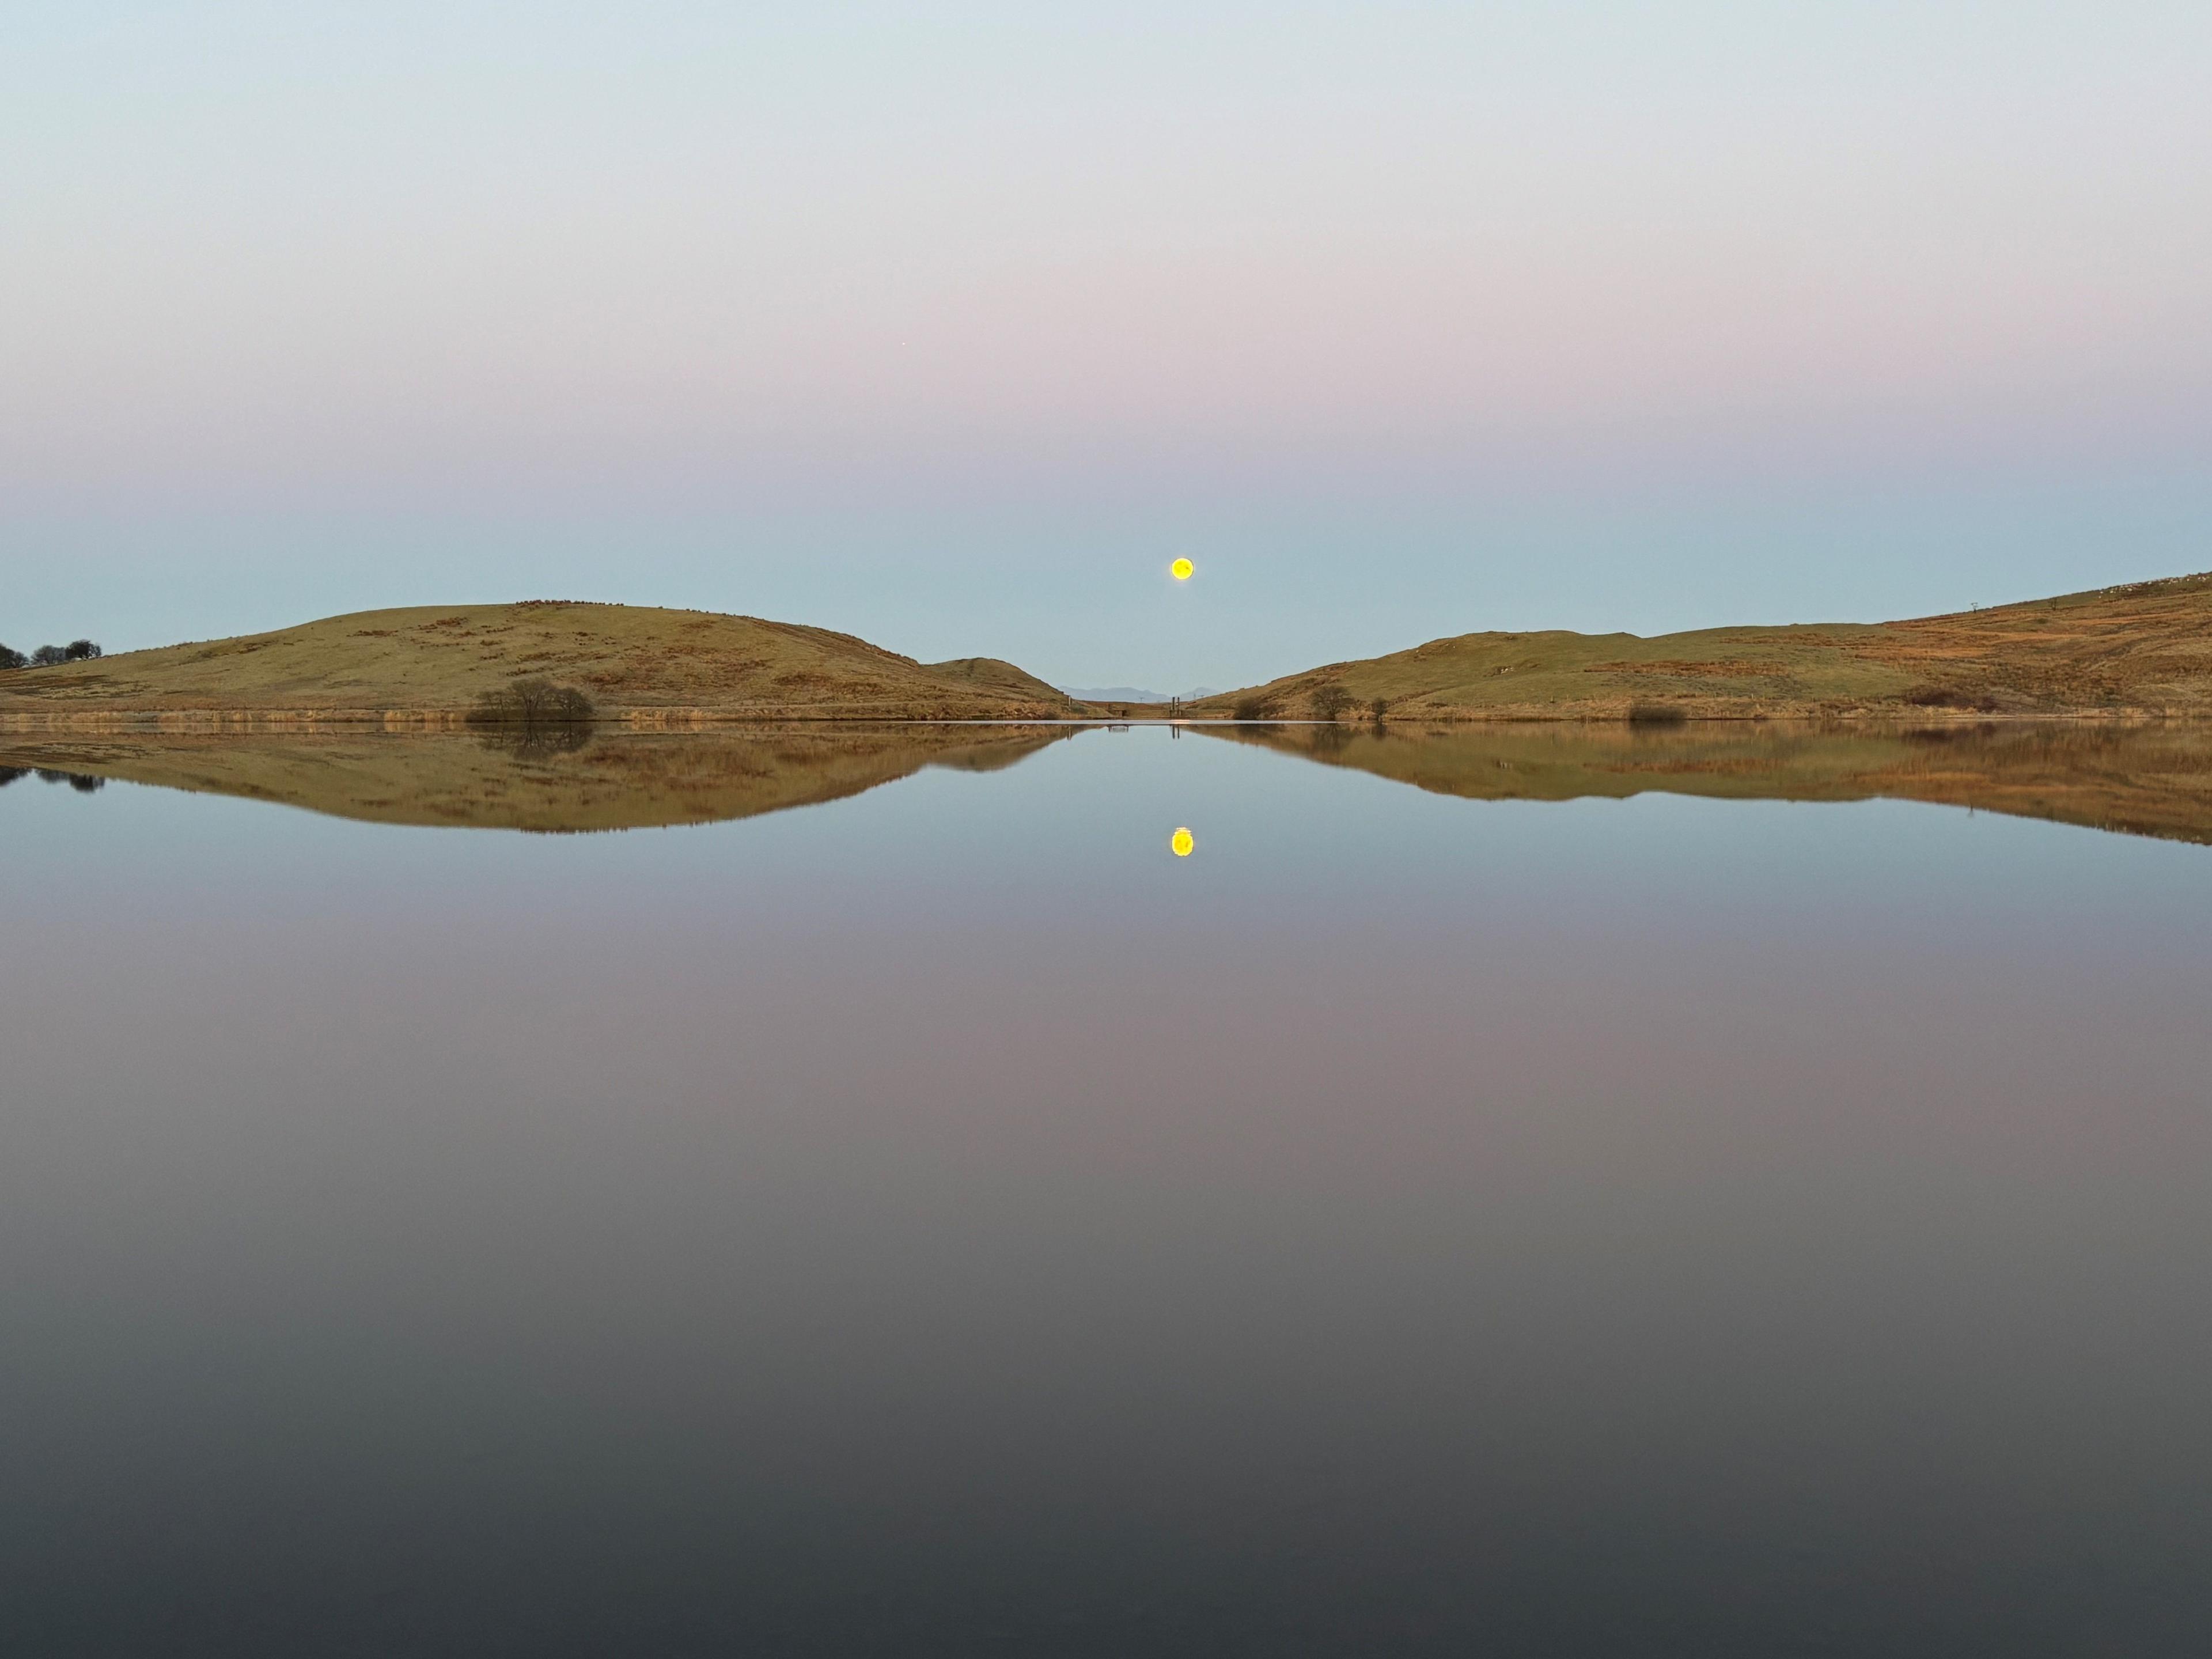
(2140, 650)
(431, 663)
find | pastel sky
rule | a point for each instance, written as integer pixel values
(952, 325)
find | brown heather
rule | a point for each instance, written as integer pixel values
(2142, 651)
(431, 665)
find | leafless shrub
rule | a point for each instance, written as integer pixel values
(49, 656)
(1330, 700)
(533, 702)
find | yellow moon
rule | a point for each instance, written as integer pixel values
(1181, 570)
(1181, 842)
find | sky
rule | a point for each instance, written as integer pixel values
(951, 326)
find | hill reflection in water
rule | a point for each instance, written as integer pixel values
(558, 780)
(2140, 780)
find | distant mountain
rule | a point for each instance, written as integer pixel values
(1112, 693)
(1133, 694)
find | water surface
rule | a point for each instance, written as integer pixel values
(1668, 1217)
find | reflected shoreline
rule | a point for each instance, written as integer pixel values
(551, 781)
(2145, 779)
(2151, 778)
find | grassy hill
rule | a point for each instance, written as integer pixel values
(2144, 778)
(604, 779)
(428, 664)
(2140, 650)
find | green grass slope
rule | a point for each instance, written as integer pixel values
(650, 665)
(2140, 650)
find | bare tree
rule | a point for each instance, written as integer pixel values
(9, 658)
(533, 702)
(1330, 701)
(80, 651)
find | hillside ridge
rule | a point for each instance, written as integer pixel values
(2140, 649)
(2137, 650)
(426, 665)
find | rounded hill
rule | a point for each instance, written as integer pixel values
(435, 662)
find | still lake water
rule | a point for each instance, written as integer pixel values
(943, 1220)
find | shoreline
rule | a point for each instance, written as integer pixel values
(424, 720)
